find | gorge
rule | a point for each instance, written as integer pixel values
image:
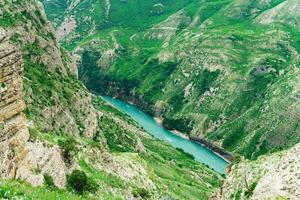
(199, 152)
(224, 73)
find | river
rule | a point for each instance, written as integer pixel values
(201, 153)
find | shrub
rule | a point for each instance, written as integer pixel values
(79, 182)
(184, 125)
(141, 192)
(67, 146)
(185, 153)
(204, 80)
(48, 182)
(249, 192)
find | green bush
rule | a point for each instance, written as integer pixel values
(48, 182)
(250, 190)
(67, 146)
(181, 124)
(204, 80)
(141, 192)
(80, 183)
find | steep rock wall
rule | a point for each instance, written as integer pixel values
(20, 158)
(56, 101)
(13, 132)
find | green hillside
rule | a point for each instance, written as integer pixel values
(115, 157)
(225, 70)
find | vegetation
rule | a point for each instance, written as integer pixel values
(68, 148)
(79, 182)
(120, 158)
(218, 81)
(14, 189)
(209, 68)
(49, 183)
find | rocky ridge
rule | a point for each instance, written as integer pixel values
(269, 177)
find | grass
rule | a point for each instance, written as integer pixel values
(14, 189)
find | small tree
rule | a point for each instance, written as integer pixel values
(141, 192)
(79, 182)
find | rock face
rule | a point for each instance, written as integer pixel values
(281, 180)
(18, 157)
(41, 160)
(13, 132)
(269, 177)
(285, 12)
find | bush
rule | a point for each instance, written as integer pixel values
(249, 192)
(79, 182)
(205, 80)
(48, 182)
(67, 146)
(141, 192)
(185, 153)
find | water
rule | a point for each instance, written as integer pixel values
(201, 153)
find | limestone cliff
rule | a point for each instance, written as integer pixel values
(19, 158)
(56, 102)
(13, 132)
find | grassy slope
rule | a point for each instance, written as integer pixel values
(238, 69)
(170, 170)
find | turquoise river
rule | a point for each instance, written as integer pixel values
(201, 153)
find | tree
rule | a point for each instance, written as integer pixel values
(79, 182)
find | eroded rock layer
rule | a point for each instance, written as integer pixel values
(13, 132)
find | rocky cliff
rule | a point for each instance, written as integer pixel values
(56, 101)
(275, 176)
(13, 132)
(19, 157)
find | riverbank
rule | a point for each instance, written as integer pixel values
(229, 158)
(176, 139)
(214, 148)
(182, 135)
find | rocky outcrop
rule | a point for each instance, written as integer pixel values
(13, 132)
(41, 160)
(65, 28)
(269, 177)
(287, 12)
(283, 179)
(220, 151)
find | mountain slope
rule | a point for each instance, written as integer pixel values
(67, 129)
(226, 71)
